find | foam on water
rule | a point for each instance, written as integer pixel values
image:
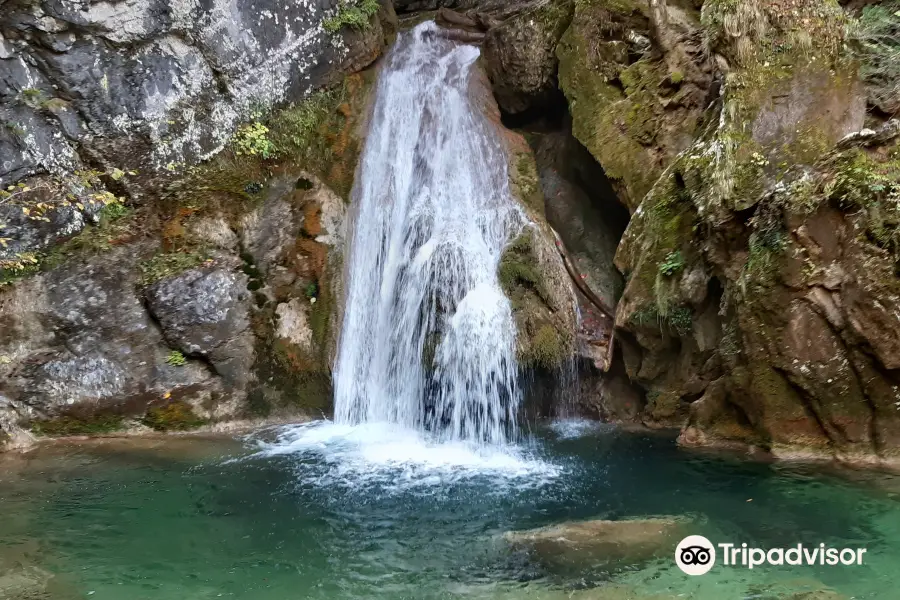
(396, 457)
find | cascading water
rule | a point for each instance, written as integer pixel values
(428, 339)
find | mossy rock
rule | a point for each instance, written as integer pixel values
(174, 416)
(79, 424)
(543, 339)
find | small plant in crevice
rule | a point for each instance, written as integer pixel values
(673, 263)
(176, 359)
(312, 290)
(252, 139)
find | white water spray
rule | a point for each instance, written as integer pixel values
(428, 339)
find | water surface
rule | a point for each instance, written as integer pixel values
(326, 511)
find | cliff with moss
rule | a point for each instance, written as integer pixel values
(145, 295)
(712, 184)
(752, 144)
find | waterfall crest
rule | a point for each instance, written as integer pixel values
(428, 338)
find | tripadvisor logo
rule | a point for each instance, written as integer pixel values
(696, 555)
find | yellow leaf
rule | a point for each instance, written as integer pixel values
(79, 205)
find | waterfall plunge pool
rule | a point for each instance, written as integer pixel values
(324, 511)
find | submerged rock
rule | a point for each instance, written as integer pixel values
(600, 544)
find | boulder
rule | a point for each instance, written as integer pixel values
(204, 312)
(600, 543)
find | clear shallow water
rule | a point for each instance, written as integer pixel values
(326, 511)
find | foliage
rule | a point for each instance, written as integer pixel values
(174, 416)
(40, 203)
(252, 139)
(20, 265)
(673, 264)
(877, 47)
(678, 319)
(873, 187)
(352, 13)
(176, 359)
(296, 130)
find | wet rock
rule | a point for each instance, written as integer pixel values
(599, 543)
(531, 271)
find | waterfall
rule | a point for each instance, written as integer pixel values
(428, 337)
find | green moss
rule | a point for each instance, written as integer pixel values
(526, 182)
(546, 350)
(518, 270)
(611, 124)
(90, 424)
(174, 416)
(169, 264)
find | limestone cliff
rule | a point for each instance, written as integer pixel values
(759, 259)
(140, 288)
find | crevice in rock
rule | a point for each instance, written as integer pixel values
(550, 115)
(809, 407)
(170, 344)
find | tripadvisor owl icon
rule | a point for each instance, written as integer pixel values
(695, 555)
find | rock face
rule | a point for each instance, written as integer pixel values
(526, 80)
(78, 344)
(146, 84)
(759, 259)
(174, 300)
(633, 106)
(204, 312)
